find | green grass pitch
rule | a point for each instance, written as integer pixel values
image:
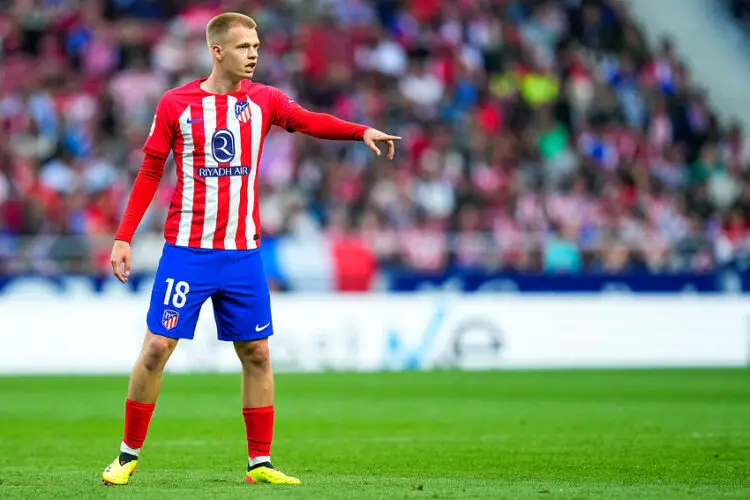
(545, 434)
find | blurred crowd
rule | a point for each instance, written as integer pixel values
(538, 135)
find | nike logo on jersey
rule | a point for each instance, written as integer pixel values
(193, 120)
(259, 328)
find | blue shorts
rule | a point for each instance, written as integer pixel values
(233, 279)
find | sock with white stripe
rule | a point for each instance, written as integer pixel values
(128, 454)
(253, 461)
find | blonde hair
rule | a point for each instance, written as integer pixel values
(221, 24)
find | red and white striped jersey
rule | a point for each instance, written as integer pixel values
(217, 140)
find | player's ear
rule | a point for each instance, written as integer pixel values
(217, 51)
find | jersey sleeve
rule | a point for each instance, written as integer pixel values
(144, 189)
(282, 106)
(162, 133)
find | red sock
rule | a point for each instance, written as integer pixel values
(137, 418)
(259, 430)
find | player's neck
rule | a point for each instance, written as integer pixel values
(216, 84)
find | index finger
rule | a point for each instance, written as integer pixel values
(387, 137)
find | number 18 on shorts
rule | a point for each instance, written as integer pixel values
(235, 282)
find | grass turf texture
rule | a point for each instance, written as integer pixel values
(569, 434)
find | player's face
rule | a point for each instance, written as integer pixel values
(240, 52)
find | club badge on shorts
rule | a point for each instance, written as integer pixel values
(169, 319)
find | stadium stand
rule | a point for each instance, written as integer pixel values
(539, 136)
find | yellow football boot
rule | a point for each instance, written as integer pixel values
(119, 473)
(267, 473)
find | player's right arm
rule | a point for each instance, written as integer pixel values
(157, 148)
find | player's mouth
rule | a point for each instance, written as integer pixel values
(251, 66)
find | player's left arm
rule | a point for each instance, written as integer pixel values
(325, 126)
(294, 118)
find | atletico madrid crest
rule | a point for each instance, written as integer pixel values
(242, 111)
(169, 319)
